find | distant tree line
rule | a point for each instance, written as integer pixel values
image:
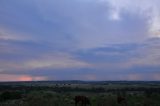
(76, 89)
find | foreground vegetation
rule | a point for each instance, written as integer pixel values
(63, 93)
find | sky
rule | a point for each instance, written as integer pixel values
(79, 40)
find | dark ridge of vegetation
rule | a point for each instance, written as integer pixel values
(81, 82)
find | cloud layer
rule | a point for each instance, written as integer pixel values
(79, 39)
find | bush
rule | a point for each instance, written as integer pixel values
(9, 95)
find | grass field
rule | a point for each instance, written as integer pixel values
(62, 93)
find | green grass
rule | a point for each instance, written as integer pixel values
(42, 94)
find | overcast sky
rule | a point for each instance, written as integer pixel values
(79, 40)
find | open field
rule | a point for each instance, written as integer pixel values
(62, 93)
